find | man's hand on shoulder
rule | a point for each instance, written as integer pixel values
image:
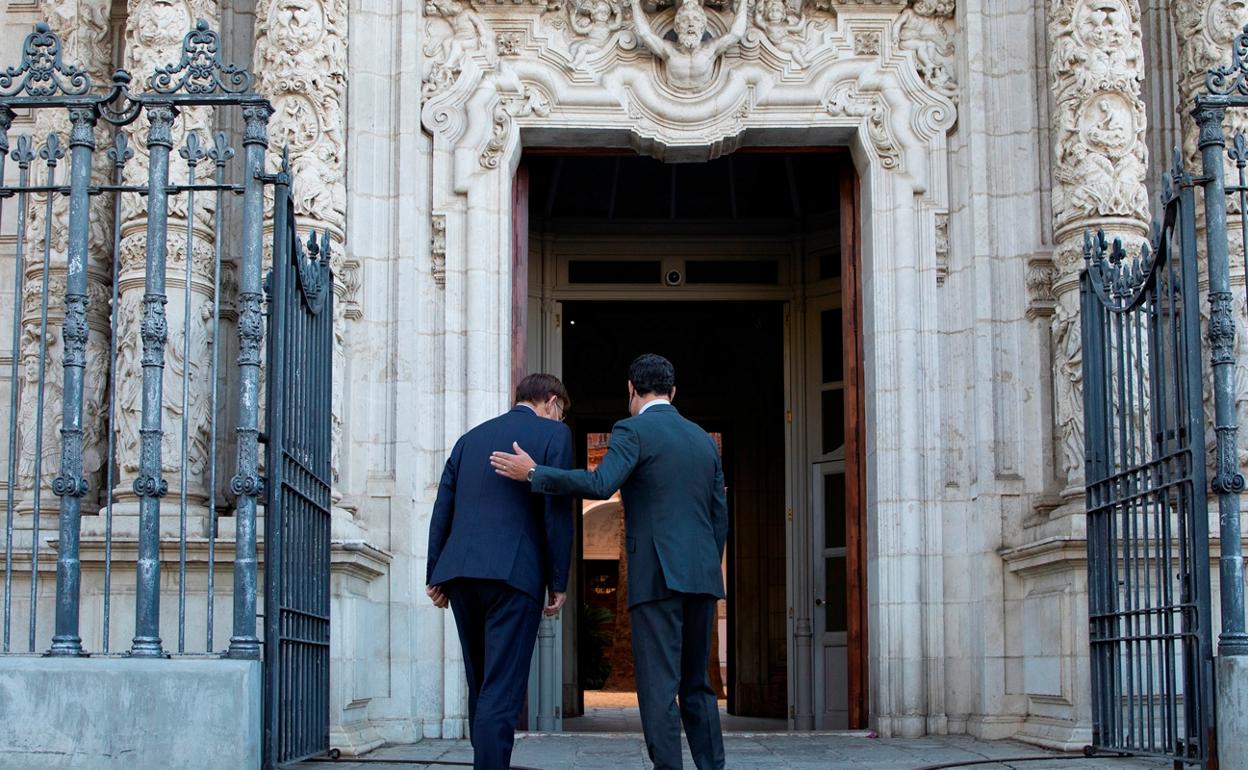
(516, 467)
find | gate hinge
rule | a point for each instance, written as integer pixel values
(788, 514)
(788, 416)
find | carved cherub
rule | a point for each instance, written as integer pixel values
(597, 21)
(783, 28)
(690, 59)
(469, 33)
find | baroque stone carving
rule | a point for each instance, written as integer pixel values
(691, 58)
(1068, 386)
(867, 42)
(1206, 31)
(1040, 275)
(1100, 160)
(596, 25)
(301, 64)
(845, 99)
(437, 250)
(926, 27)
(452, 34)
(788, 29)
(942, 247)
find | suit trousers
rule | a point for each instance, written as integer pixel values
(671, 648)
(497, 629)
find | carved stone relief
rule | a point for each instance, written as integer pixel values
(926, 27)
(301, 65)
(845, 99)
(1100, 163)
(437, 250)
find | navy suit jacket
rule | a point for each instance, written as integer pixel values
(490, 527)
(675, 507)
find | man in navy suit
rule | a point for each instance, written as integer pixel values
(676, 524)
(499, 552)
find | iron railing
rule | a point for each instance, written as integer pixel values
(97, 242)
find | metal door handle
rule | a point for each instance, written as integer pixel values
(818, 602)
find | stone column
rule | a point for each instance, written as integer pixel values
(154, 33)
(83, 28)
(1206, 31)
(301, 66)
(1099, 169)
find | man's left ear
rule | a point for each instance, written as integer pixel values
(672, 396)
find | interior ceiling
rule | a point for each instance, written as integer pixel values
(753, 187)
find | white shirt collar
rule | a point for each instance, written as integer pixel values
(653, 403)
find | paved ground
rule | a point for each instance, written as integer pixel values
(765, 751)
(616, 712)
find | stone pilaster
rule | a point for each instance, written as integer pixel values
(301, 66)
(1099, 168)
(154, 34)
(84, 31)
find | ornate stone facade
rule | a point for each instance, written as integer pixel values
(973, 360)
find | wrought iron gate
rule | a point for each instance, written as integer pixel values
(297, 519)
(1148, 482)
(1148, 540)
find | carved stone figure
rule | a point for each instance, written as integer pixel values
(596, 22)
(469, 34)
(783, 27)
(30, 427)
(926, 27)
(690, 60)
(1068, 385)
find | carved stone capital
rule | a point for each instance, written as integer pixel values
(1041, 272)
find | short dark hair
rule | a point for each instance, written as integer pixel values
(651, 373)
(536, 388)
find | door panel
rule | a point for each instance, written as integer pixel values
(833, 523)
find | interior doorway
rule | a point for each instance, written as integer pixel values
(730, 380)
(742, 271)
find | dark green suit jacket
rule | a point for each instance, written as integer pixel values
(675, 508)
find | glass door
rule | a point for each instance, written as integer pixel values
(830, 522)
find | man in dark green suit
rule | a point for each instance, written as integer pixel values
(676, 524)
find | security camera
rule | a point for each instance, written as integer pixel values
(673, 278)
